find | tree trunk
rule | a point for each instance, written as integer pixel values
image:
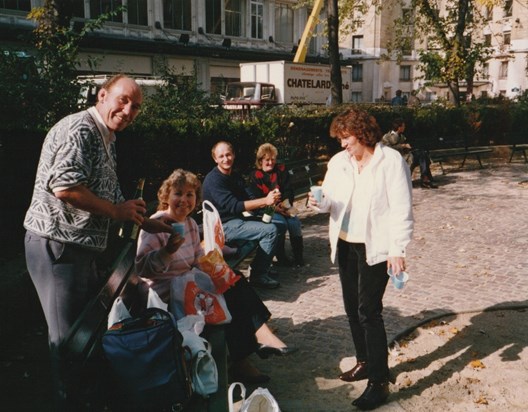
(333, 52)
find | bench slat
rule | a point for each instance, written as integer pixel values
(85, 332)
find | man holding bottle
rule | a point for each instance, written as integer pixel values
(227, 191)
(75, 197)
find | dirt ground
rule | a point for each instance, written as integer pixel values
(468, 362)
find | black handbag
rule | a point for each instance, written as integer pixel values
(149, 362)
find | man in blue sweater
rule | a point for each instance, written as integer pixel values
(227, 191)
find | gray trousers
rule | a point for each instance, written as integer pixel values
(65, 277)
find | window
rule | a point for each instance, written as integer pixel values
(408, 16)
(485, 70)
(257, 17)
(99, 7)
(487, 40)
(177, 14)
(357, 72)
(213, 16)
(405, 73)
(233, 17)
(356, 97)
(357, 44)
(137, 12)
(488, 12)
(506, 37)
(407, 46)
(508, 5)
(22, 5)
(503, 71)
(283, 23)
(218, 84)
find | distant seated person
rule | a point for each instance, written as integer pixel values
(398, 99)
(226, 189)
(163, 257)
(414, 101)
(270, 175)
(414, 157)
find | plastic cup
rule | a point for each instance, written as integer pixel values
(179, 228)
(398, 280)
(317, 193)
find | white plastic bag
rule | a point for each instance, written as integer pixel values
(119, 311)
(212, 228)
(192, 323)
(194, 293)
(204, 371)
(261, 400)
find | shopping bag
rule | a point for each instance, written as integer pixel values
(261, 400)
(221, 274)
(204, 371)
(194, 293)
(148, 361)
(212, 228)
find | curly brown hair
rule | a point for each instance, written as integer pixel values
(178, 179)
(359, 124)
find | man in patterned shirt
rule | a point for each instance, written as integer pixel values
(75, 197)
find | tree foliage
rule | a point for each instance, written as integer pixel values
(41, 80)
(181, 96)
(454, 44)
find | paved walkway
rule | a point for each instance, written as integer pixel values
(469, 252)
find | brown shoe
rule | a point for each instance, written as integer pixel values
(357, 373)
(243, 371)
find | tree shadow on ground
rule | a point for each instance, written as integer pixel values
(476, 341)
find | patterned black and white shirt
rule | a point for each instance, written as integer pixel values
(74, 153)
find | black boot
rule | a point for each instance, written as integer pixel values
(374, 395)
(297, 248)
(280, 253)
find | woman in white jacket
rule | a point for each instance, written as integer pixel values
(368, 192)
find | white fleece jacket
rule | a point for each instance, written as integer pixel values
(389, 220)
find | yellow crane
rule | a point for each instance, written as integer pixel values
(302, 48)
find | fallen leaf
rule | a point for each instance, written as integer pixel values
(481, 400)
(407, 382)
(477, 364)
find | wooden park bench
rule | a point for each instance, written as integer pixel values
(518, 147)
(82, 347)
(304, 174)
(448, 148)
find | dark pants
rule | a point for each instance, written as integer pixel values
(421, 158)
(248, 314)
(65, 278)
(363, 288)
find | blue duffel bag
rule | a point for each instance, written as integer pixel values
(149, 362)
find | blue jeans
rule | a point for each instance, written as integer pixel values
(363, 287)
(293, 224)
(265, 233)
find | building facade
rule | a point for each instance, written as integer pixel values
(210, 38)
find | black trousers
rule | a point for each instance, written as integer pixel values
(248, 314)
(363, 287)
(421, 158)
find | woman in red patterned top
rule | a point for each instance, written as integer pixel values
(270, 175)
